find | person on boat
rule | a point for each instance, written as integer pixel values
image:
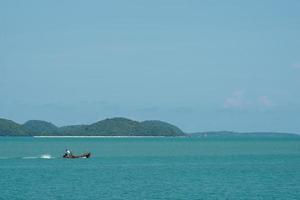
(68, 152)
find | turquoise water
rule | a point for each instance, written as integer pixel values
(151, 168)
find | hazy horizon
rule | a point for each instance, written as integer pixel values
(200, 65)
(188, 132)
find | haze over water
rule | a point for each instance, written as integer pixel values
(151, 168)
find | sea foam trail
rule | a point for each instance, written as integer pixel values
(43, 156)
(46, 156)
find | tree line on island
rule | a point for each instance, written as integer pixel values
(107, 127)
(118, 127)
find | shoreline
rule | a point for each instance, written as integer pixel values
(103, 136)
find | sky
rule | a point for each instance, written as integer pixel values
(202, 65)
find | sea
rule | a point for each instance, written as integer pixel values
(162, 168)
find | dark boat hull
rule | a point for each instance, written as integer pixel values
(85, 155)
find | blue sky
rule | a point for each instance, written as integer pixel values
(202, 65)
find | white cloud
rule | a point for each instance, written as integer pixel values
(265, 101)
(296, 66)
(236, 100)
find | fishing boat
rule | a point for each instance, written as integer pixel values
(85, 155)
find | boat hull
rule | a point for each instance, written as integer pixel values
(85, 155)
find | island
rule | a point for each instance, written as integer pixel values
(109, 127)
(119, 126)
(244, 135)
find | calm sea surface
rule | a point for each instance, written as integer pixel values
(151, 168)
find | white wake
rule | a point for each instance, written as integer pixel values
(43, 156)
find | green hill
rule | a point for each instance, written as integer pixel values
(10, 128)
(38, 127)
(71, 130)
(107, 127)
(159, 128)
(123, 127)
(115, 126)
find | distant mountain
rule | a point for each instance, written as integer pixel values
(159, 128)
(8, 127)
(220, 134)
(116, 127)
(71, 130)
(123, 127)
(107, 127)
(38, 127)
